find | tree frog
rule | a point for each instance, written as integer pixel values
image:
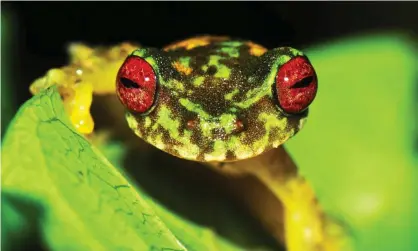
(227, 103)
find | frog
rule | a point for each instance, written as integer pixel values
(227, 103)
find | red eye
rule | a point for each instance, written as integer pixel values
(136, 84)
(296, 85)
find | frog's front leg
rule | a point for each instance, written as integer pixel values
(306, 226)
(90, 71)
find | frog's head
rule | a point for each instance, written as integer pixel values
(221, 101)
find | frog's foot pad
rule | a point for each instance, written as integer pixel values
(76, 94)
(89, 71)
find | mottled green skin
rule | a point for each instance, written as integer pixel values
(195, 115)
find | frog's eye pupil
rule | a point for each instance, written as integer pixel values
(296, 85)
(136, 84)
(128, 83)
(305, 82)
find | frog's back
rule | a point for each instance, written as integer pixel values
(213, 57)
(215, 45)
(212, 66)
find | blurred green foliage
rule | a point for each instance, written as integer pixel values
(358, 148)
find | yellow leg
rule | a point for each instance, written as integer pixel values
(306, 227)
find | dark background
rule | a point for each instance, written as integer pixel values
(41, 30)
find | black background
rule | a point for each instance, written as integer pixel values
(41, 30)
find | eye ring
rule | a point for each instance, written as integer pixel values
(296, 85)
(137, 85)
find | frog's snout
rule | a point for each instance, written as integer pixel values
(218, 128)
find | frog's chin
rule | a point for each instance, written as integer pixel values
(218, 152)
(238, 151)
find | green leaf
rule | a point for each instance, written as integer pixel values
(60, 187)
(357, 148)
(194, 236)
(110, 214)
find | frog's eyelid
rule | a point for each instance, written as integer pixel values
(286, 50)
(159, 59)
(140, 52)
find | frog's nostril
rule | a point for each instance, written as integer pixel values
(239, 126)
(191, 124)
